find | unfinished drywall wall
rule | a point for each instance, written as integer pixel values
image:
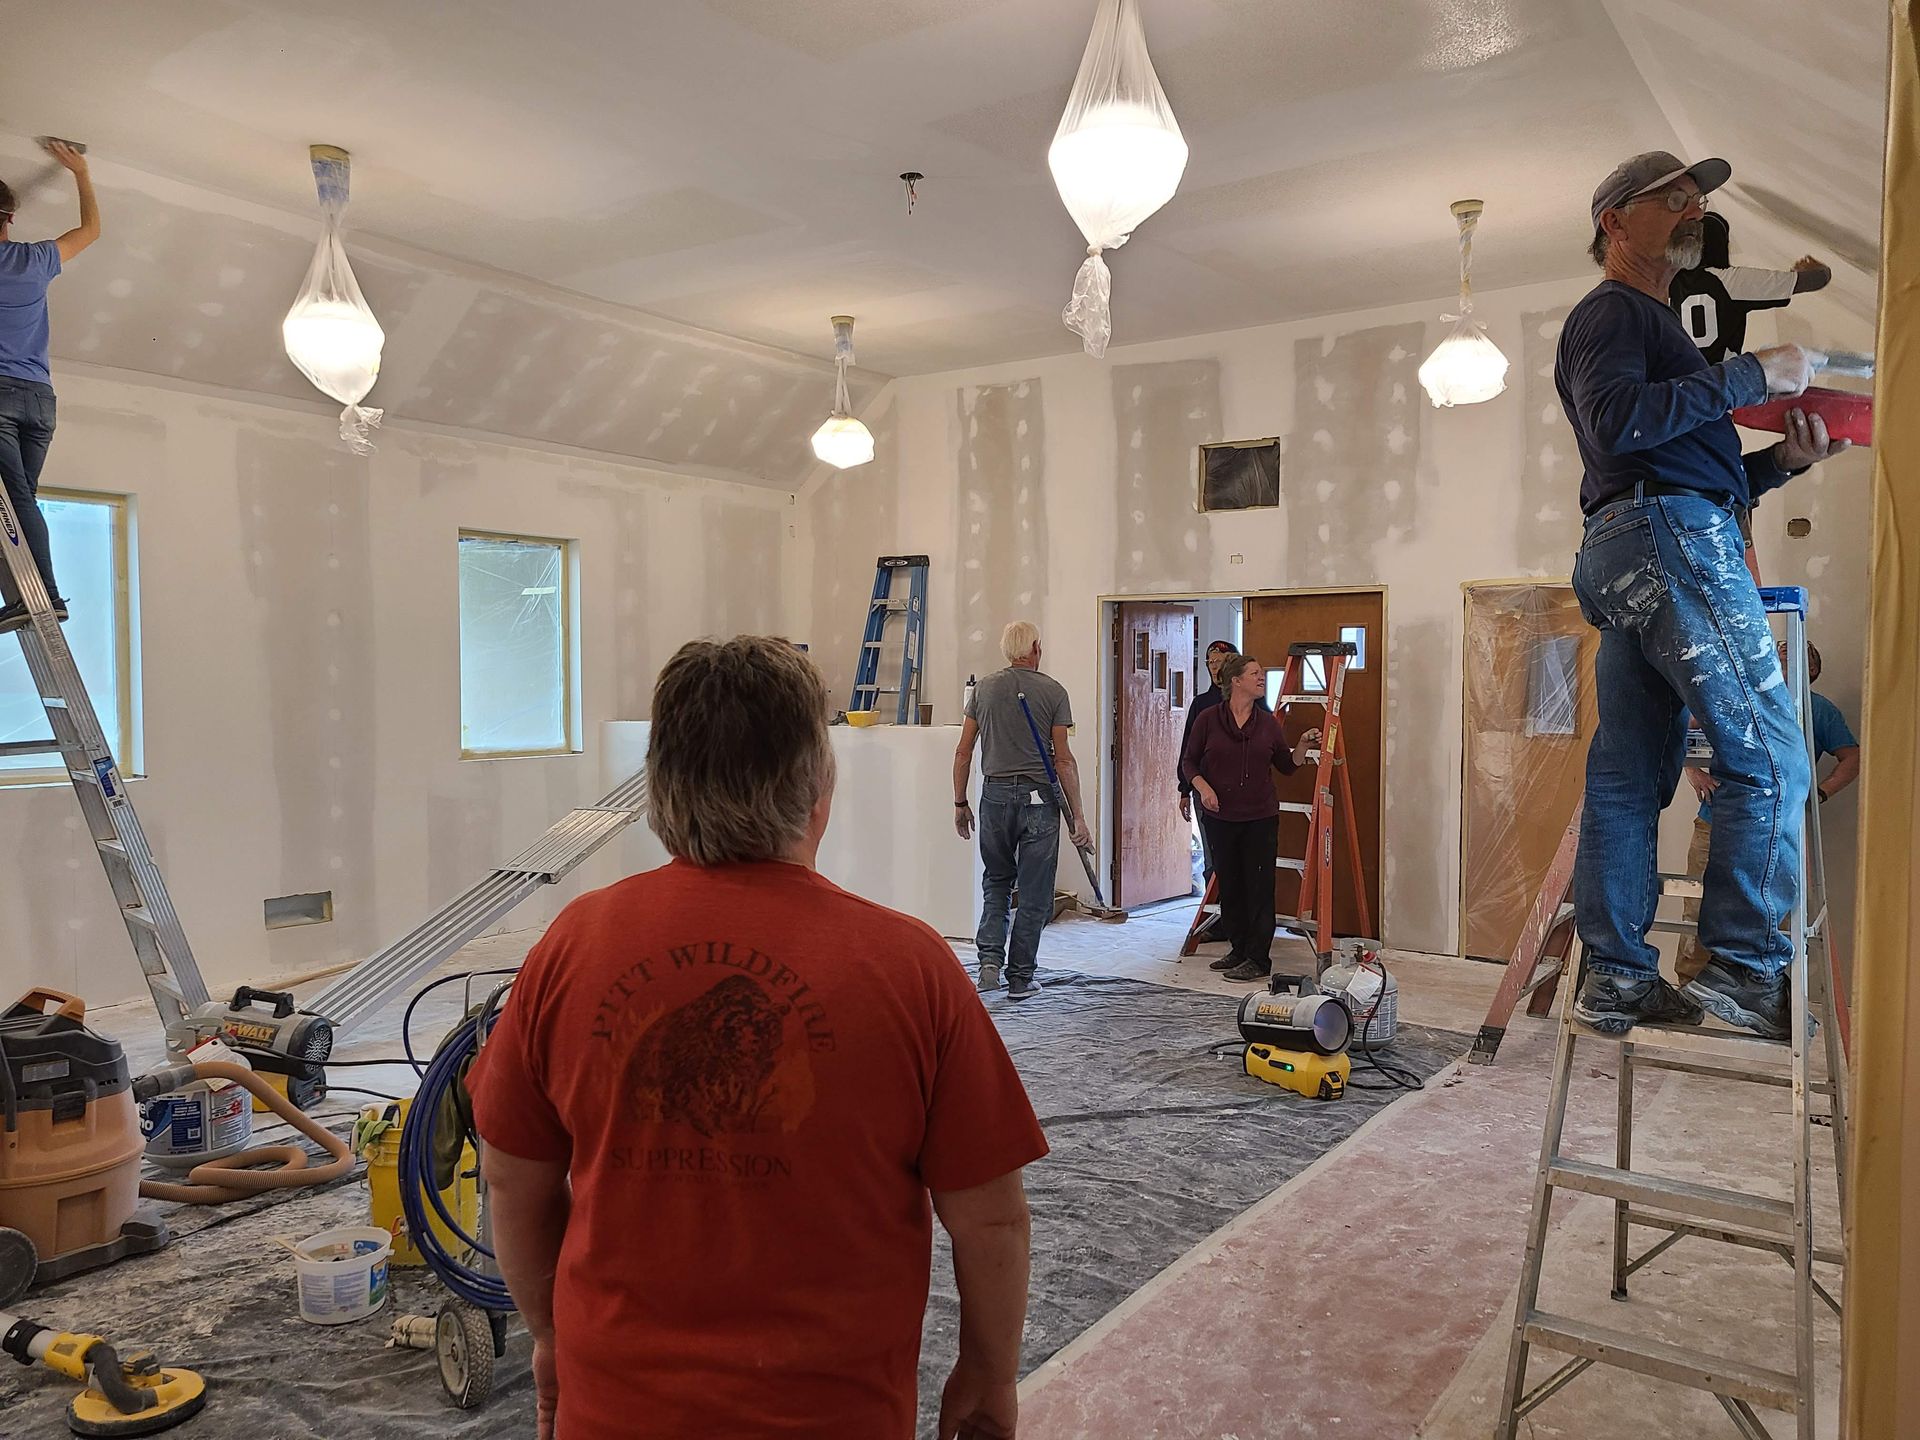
(1000, 517)
(1546, 523)
(1353, 455)
(298, 608)
(1379, 488)
(1161, 415)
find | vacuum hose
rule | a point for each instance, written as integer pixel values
(218, 1182)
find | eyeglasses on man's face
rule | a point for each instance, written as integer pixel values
(1675, 200)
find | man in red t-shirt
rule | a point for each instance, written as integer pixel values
(719, 1096)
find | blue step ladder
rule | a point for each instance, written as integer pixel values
(885, 605)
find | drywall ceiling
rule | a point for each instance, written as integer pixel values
(730, 164)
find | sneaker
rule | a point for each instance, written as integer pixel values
(1614, 1006)
(1248, 970)
(1023, 989)
(1740, 998)
(1225, 962)
(989, 978)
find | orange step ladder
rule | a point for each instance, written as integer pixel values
(1313, 915)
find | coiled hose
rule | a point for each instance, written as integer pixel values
(417, 1187)
(217, 1182)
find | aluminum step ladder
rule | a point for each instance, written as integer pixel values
(911, 607)
(1679, 1208)
(387, 973)
(159, 943)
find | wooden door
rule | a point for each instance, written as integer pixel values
(1153, 659)
(1273, 622)
(1530, 711)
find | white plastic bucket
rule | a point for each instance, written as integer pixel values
(197, 1124)
(343, 1274)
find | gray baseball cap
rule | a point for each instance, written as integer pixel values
(1653, 171)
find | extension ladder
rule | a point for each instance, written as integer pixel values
(1313, 915)
(382, 976)
(885, 604)
(1682, 1208)
(159, 942)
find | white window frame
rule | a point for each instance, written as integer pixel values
(570, 743)
(125, 703)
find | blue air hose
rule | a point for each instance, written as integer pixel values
(417, 1188)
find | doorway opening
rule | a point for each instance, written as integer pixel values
(1153, 671)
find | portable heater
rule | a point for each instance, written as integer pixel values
(285, 1045)
(1298, 1042)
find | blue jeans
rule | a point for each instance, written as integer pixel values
(26, 430)
(1682, 628)
(1019, 843)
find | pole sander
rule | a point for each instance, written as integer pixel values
(1100, 910)
(125, 1395)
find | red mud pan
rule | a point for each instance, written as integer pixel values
(1848, 416)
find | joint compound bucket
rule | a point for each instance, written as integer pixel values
(462, 1197)
(197, 1124)
(343, 1274)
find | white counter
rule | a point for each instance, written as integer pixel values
(891, 836)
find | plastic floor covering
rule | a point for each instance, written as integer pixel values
(1156, 1144)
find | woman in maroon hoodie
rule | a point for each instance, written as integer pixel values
(1228, 759)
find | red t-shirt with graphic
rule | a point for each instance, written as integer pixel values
(755, 1079)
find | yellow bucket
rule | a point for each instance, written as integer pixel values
(462, 1197)
(858, 718)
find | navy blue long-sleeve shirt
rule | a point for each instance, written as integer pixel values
(1645, 404)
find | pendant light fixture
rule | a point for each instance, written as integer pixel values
(842, 441)
(1466, 367)
(1117, 157)
(330, 332)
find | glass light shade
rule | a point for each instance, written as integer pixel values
(1122, 163)
(843, 442)
(1464, 369)
(336, 345)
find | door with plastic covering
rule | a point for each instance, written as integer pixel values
(1530, 712)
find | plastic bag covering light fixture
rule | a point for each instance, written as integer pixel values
(842, 441)
(1466, 367)
(330, 332)
(1117, 157)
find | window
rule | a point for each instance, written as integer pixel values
(517, 671)
(1356, 636)
(1179, 689)
(1159, 669)
(1141, 649)
(1553, 685)
(92, 546)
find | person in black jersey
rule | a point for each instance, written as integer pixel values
(1713, 300)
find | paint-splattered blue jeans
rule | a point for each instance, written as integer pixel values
(1682, 628)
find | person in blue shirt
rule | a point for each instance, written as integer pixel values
(1831, 736)
(26, 389)
(1660, 574)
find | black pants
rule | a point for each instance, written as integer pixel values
(1243, 855)
(26, 429)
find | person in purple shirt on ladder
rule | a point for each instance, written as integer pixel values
(26, 389)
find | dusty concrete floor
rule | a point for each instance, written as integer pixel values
(1372, 1296)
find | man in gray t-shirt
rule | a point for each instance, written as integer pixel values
(1019, 820)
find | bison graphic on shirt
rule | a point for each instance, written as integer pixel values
(711, 1063)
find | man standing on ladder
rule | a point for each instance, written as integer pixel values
(1660, 574)
(1019, 826)
(26, 391)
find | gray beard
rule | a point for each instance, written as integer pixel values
(1685, 254)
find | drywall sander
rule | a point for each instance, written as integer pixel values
(125, 1395)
